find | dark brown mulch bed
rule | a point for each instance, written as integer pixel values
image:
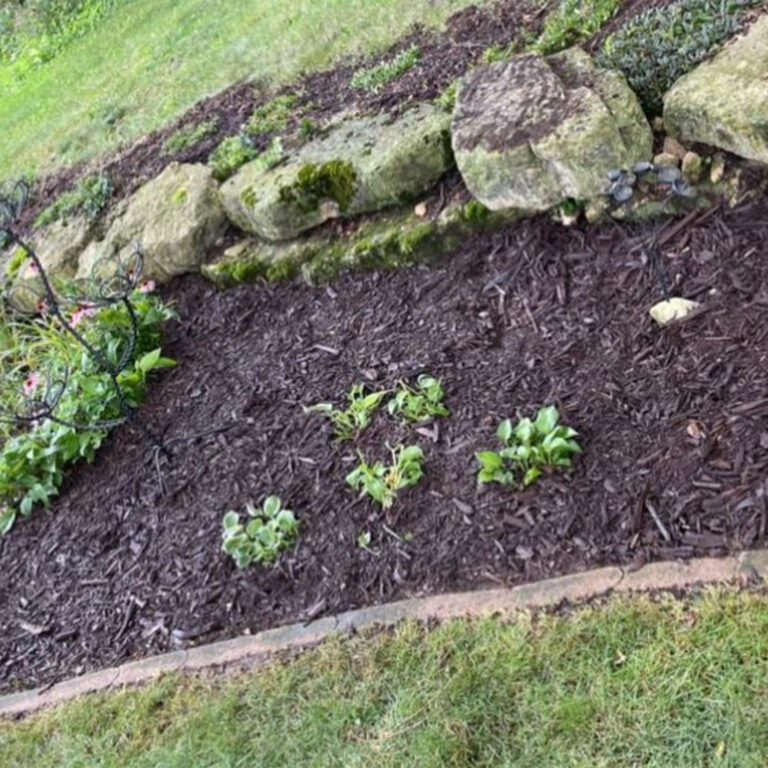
(674, 423)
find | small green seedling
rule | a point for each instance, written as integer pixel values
(364, 540)
(261, 539)
(382, 482)
(375, 79)
(419, 404)
(530, 449)
(349, 424)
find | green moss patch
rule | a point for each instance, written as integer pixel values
(335, 180)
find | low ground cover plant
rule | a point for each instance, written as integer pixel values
(529, 448)
(350, 423)
(233, 153)
(376, 78)
(421, 403)
(267, 531)
(88, 198)
(273, 117)
(658, 46)
(572, 22)
(381, 482)
(190, 136)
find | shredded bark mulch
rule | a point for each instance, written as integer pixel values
(674, 423)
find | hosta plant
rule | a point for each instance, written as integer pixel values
(529, 448)
(420, 403)
(349, 424)
(381, 482)
(265, 533)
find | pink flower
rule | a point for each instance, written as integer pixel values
(31, 384)
(31, 270)
(80, 314)
(43, 308)
(148, 286)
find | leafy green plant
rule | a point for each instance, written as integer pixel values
(33, 460)
(350, 423)
(308, 129)
(382, 482)
(88, 198)
(273, 117)
(376, 78)
(266, 532)
(420, 403)
(496, 53)
(231, 155)
(447, 99)
(573, 22)
(660, 45)
(530, 448)
(191, 136)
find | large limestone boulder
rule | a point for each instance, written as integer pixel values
(176, 218)
(363, 165)
(58, 247)
(533, 131)
(724, 102)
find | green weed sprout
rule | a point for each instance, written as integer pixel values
(349, 424)
(381, 483)
(419, 404)
(376, 78)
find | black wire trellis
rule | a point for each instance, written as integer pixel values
(111, 283)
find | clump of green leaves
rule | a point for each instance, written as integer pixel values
(382, 482)
(273, 117)
(447, 99)
(191, 136)
(266, 532)
(496, 53)
(420, 403)
(573, 22)
(88, 198)
(350, 423)
(529, 449)
(231, 155)
(33, 460)
(376, 78)
(658, 46)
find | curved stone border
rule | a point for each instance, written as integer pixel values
(256, 649)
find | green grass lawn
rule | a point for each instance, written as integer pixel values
(635, 683)
(150, 60)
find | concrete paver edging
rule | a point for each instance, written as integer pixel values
(257, 648)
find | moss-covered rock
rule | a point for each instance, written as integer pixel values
(176, 218)
(534, 131)
(362, 165)
(394, 239)
(724, 102)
